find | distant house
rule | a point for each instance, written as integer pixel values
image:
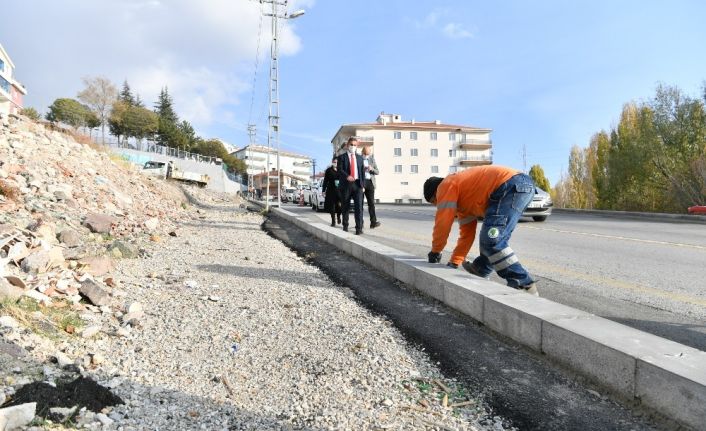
(255, 157)
(11, 91)
(409, 152)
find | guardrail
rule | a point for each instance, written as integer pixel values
(165, 151)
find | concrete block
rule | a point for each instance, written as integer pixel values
(357, 249)
(430, 279)
(383, 258)
(511, 314)
(594, 347)
(467, 294)
(674, 384)
(405, 269)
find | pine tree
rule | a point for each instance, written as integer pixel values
(168, 133)
(164, 107)
(126, 95)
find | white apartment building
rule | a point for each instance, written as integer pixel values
(409, 152)
(255, 157)
(11, 91)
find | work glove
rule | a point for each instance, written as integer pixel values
(452, 265)
(434, 257)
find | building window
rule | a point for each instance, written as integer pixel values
(397, 135)
(414, 152)
(404, 183)
(452, 153)
(398, 201)
(452, 136)
(413, 136)
(434, 152)
(452, 169)
(2, 66)
(434, 169)
(398, 169)
(415, 201)
(398, 151)
(432, 136)
(414, 169)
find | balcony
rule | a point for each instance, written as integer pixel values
(474, 144)
(365, 140)
(474, 160)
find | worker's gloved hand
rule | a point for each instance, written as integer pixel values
(434, 257)
(452, 265)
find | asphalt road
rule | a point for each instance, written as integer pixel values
(517, 385)
(643, 273)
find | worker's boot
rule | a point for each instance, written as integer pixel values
(531, 289)
(468, 266)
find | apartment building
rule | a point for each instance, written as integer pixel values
(11, 91)
(255, 157)
(409, 152)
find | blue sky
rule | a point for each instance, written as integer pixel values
(545, 75)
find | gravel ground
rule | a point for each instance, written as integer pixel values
(241, 333)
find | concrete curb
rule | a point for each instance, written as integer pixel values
(657, 373)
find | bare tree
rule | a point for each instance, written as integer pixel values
(99, 94)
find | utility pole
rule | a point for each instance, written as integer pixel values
(251, 134)
(313, 177)
(273, 119)
(524, 158)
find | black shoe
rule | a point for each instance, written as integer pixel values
(359, 231)
(374, 225)
(468, 266)
(333, 223)
(345, 228)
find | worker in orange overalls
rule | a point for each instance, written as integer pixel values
(495, 194)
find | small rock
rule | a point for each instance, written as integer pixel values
(70, 238)
(191, 284)
(17, 416)
(90, 331)
(94, 293)
(126, 249)
(98, 265)
(62, 360)
(8, 291)
(8, 322)
(104, 419)
(99, 223)
(61, 414)
(97, 359)
(151, 224)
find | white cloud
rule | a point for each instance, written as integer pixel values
(204, 51)
(456, 31)
(435, 20)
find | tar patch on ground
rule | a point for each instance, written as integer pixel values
(82, 392)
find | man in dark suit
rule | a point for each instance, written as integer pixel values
(352, 179)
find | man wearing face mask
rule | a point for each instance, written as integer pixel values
(351, 174)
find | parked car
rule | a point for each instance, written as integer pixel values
(541, 206)
(317, 196)
(306, 193)
(289, 195)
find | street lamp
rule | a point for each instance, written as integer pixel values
(273, 120)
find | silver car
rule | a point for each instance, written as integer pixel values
(541, 206)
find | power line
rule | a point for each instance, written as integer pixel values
(257, 61)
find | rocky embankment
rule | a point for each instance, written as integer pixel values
(123, 307)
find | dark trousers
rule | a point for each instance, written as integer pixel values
(370, 198)
(352, 190)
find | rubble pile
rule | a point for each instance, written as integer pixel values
(68, 210)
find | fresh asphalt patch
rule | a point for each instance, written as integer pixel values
(520, 386)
